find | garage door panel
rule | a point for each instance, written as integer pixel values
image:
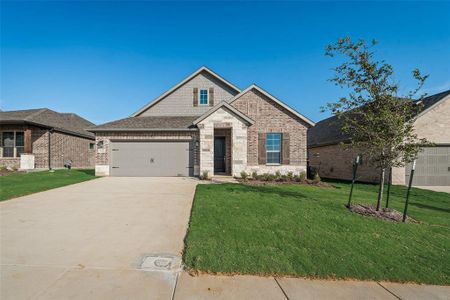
(432, 167)
(151, 159)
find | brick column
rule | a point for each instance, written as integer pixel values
(28, 146)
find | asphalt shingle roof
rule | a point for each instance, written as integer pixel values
(328, 131)
(66, 122)
(142, 123)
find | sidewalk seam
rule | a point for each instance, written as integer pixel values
(281, 288)
(175, 285)
(386, 289)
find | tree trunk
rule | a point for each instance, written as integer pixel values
(380, 191)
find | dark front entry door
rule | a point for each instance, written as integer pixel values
(219, 154)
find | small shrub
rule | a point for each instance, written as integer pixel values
(271, 177)
(265, 177)
(284, 178)
(302, 176)
(204, 175)
(254, 175)
(316, 177)
(244, 175)
(297, 178)
(290, 176)
(277, 174)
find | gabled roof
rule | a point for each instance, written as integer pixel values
(431, 101)
(150, 104)
(179, 123)
(273, 98)
(328, 131)
(228, 107)
(65, 122)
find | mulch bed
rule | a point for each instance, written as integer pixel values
(6, 172)
(387, 214)
(257, 182)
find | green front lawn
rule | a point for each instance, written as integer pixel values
(21, 184)
(298, 230)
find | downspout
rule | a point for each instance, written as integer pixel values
(50, 131)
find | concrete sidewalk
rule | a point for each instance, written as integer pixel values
(253, 287)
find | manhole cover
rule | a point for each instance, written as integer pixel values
(161, 263)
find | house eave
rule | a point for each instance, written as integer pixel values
(24, 122)
(230, 108)
(139, 129)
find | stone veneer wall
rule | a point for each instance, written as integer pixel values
(102, 156)
(222, 118)
(335, 161)
(271, 117)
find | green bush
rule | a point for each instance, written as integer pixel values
(244, 175)
(254, 175)
(277, 175)
(316, 177)
(302, 176)
(290, 176)
(204, 175)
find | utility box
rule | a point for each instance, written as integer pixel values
(26, 161)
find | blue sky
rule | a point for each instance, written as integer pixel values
(104, 60)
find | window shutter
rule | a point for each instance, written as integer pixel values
(211, 96)
(285, 149)
(261, 148)
(195, 97)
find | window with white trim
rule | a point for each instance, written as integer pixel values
(12, 143)
(203, 97)
(273, 148)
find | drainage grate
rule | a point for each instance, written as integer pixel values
(161, 262)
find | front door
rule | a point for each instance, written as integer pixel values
(219, 154)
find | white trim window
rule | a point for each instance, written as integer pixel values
(204, 97)
(12, 143)
(273, 148)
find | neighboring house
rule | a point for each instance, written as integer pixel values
(50, 137)
(204, 124)
(433, 164)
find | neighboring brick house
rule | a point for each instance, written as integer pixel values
(51, 137)
(332, 160)
(205, 124)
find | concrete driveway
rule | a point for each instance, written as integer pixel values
(88, 240)
(445, 189)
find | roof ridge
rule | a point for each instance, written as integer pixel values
(181, 83)
(275, 99)
(30, 117)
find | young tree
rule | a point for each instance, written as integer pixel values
(377, 121)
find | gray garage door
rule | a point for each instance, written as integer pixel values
(432, 167)
(151, 159)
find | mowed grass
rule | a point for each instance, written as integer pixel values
(305, 231)
(21, 184)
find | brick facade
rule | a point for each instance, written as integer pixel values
(271, 117)
(103, 155)
(63, 146)
(335, 161)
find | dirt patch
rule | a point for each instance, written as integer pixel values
(6, 172)
(387, 214)
(257, 182)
